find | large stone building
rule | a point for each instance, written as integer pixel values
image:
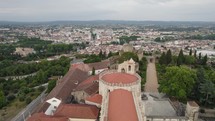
(111, 95)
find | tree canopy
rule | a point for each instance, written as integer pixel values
(178, 81)
(127, 56)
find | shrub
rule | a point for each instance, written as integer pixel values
(28, 100)
(11, 97)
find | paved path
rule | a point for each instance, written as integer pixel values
(151, 78)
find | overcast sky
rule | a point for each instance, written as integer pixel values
(51, 10)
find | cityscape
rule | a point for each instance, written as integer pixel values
(107, 66)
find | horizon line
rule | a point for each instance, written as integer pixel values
(108, 20)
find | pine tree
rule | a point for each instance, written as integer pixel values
(162, 59)
(195, 54)
(168, 57)
(100, 54)
(204, 60)
(93, 71)
(180, 59)
(190, 52)
(110, 54)
(200, 56)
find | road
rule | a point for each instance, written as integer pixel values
(151, 78)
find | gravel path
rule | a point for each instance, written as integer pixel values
(151, 79)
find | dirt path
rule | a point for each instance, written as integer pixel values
(151, 79)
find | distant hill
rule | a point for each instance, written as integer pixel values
(114, 22)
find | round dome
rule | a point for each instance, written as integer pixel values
(118, 77)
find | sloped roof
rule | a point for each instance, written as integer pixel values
(121, 106)
(81, 111)
(69, 82)
(65, 86)
(96, 98)
(43, 117)
(99, 65)
(81, 66)
(90, 86)
(88, 67)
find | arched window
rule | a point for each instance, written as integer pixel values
(129, 68)
(123, 70)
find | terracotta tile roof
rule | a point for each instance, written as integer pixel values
(92, 89)
(88, 81)
(90, 85)
(99, 65)
(88, 67)
(43, 117)
(69, 82)
(96, 98)
(121, 106)
(77, 111)
(82, 66)
(65, 86)
(117, 77)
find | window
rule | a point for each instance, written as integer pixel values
(123, 70)
(129, 68)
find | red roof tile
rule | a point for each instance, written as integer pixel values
(97, 98)
(90, 85)
(65, 86)
(124, 78)
(77, 111)
(121, 106)
(88, 67)
(99, 65)
(43, 117)
(88, 81)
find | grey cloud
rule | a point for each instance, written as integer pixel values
(39, 10)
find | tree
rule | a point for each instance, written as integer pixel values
(180, 59)
(189, 60)
(195, 54)
(190, 53)
(207, 90)
(110, 54)
(204, 60)
(100, 54)
(158, 39)
(168, 57)
(2, 99)
(28, 100)
(178, 82)
(200, 56)
(92, 59)
(11, 97)
(127, 56)
(162, 59)
(93, 71)
(200, 74)
(51, 85)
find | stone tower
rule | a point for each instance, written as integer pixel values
(128, 67)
